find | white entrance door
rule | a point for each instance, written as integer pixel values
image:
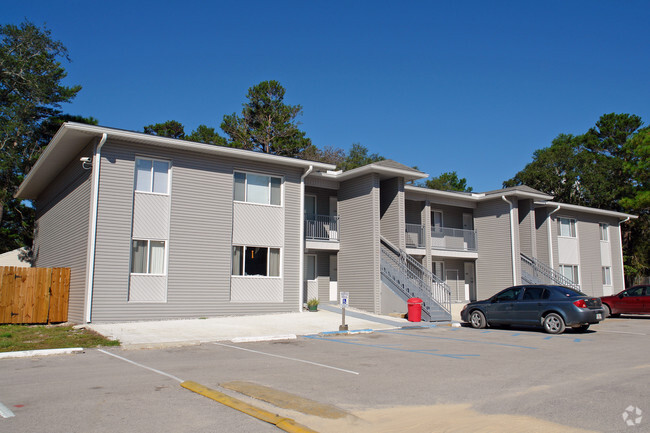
(470, 287)
(334, 271)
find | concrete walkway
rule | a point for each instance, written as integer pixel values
(243, 328)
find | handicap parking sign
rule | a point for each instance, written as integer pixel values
(345, 299)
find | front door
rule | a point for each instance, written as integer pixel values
(334, 271)
(470, 286)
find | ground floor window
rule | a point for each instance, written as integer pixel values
(147, 256)
(607, 276)
(258, 261)
(570, 272)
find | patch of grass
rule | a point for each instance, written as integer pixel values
(34, 337)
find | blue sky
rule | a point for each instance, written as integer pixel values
(469, 86)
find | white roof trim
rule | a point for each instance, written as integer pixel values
(38, 177)
(586, 209)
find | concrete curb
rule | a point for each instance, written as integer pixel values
(43, 352)
(286, 424)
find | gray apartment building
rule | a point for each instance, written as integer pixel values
(158, 228)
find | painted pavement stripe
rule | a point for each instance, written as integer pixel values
(379, 346)
(463, 340)
(286, 357)
(5, 412)
(142, 366)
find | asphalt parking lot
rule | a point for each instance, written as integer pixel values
(410, 379)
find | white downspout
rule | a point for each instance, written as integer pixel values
(512, 241)
(550, 237)
(93, 227)
(620, 233)
(302, 236)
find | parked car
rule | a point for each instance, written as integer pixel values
(552, 307)
(635, 300)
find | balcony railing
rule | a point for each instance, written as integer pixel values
(415, 236)
(322, 227)
(442, 238)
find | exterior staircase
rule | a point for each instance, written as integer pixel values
(535, 272)
(407, 278)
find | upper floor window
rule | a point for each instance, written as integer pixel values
(152, 175)
(567, 227)
(257, 188)
(604, 236)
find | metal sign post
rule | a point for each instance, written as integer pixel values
(345, 299)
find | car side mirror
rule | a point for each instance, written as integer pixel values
(493, 300)
(621, 296)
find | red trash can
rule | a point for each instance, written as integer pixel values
(415, 309)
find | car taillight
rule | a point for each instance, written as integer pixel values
(580, 303)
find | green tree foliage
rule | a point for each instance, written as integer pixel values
(448, 181)
(266, 124)
(205, 134)
(606, 168)
(359, 156)
(170, 129)
(31, 93)
(328, 154)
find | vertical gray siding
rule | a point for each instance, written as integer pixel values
(62, 223)
(199, 240)
(493, 266)
(392, 211)
(359, 253)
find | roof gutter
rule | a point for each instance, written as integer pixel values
(93, 227)
(512, 240)
(301, 271)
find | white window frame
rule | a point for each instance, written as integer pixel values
(607, 275)
(148, 258)
(573, 227)
(268, 262)
(603, 229)
(151, 180)
(575, 272)
(270, 176)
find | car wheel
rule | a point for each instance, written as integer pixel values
(607, 311)
(477, 320)
(581, 328)
(553, 323)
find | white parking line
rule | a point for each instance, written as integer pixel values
(142, 366)
(5, 412)
(286, 357)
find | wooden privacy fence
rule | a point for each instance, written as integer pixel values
(34, 295)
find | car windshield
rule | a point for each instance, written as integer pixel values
(568, 292)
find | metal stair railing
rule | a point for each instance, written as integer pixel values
(537, 272)
(413, 279)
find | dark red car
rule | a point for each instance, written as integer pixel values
(635, 300)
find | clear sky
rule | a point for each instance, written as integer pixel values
(467, 86)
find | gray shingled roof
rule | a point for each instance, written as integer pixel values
(394, 164)
(521, 188)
